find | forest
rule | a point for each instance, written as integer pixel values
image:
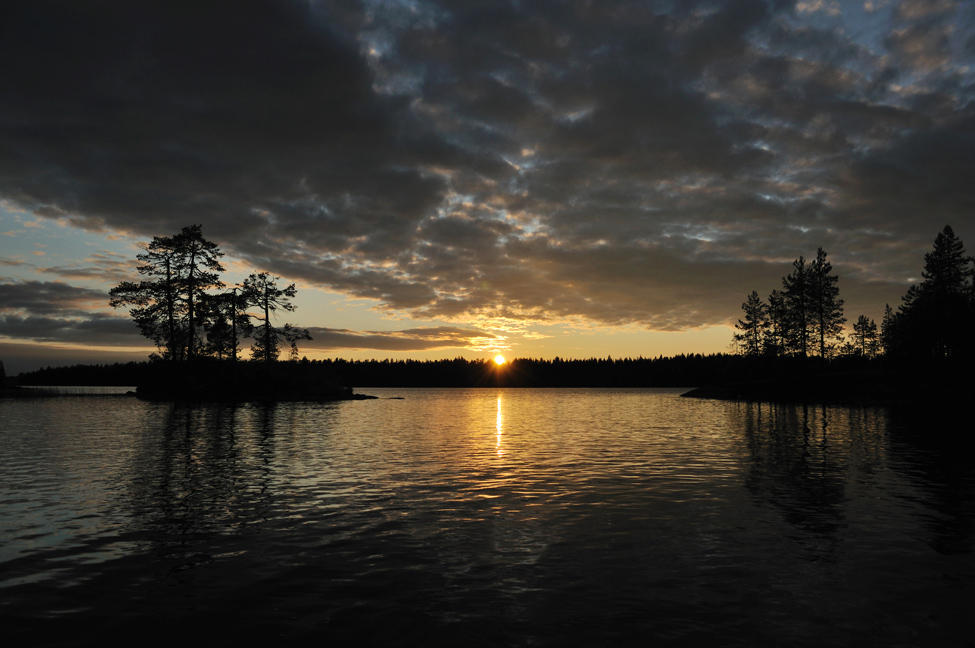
(677, 371)
(805, 318)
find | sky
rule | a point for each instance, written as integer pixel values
(448, 178)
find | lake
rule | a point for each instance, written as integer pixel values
(484, 517)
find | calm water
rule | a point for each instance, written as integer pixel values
(488, 517)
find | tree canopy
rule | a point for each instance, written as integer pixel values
(934, 318)
(261, 290)
(180, 270)
(180, 305)
(806, 317)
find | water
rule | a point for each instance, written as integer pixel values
(485, 516)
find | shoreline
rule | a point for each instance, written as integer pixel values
(894, 388)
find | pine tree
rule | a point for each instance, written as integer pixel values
(887, 327)
(261, 290)
(865, 336)
(946, 267)
(226, 322)
(934, 318)
(752, 328)
(165, 307)
(775, 331)
(198, 267)
(826, 307)
(795, 291)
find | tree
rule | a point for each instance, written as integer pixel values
(946, 267)
(198, 267)
(865, 336)
(775, 333)
(261, 291)
(154, 302)
(934, 317)
(753, 326)
(887, 327)
(825, 305)
(291, 335)
(795, 292)
(165, 307)
(226, 323)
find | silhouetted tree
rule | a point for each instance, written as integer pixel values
(198, 267)
(752, 328)
(226, 323)
(848, 348)
(825, 305)
(934, 318)
(776, 324)
(865, 336)
(887, 330)
(166, 306)
(946, 269)
(795, 291)
(291, 335)
(261, 291)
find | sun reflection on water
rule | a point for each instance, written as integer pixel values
(499, 423)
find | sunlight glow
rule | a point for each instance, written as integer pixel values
(499, 360)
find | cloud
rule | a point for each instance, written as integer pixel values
(19, 358)
(49, 297)
(921, 46)
(61, 313)
(47, 311)
(97, 329)
(107, 267)
(417, 339)
(603, 162)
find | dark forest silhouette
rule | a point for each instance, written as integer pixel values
(805, 318)
(676, 371)
(794, 349)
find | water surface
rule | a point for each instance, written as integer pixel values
(489, 516)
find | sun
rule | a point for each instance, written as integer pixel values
(499, 360)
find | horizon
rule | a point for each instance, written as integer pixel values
(490, 361)
(442, 180)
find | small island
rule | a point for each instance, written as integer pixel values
(197, 326)
(227, 381)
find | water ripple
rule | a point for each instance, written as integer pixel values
(520, 517)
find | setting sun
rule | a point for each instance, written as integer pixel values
(499, 359)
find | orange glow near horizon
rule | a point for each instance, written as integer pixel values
(499, 360)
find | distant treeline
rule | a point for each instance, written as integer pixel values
(677, 371)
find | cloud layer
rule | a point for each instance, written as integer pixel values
(480, 162)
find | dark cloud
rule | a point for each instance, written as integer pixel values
(49, 297)
(107, 267)
(14, 262)
(19, 358)
(921, 46)
(95, 330)
(48, 311)
(612, 162)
